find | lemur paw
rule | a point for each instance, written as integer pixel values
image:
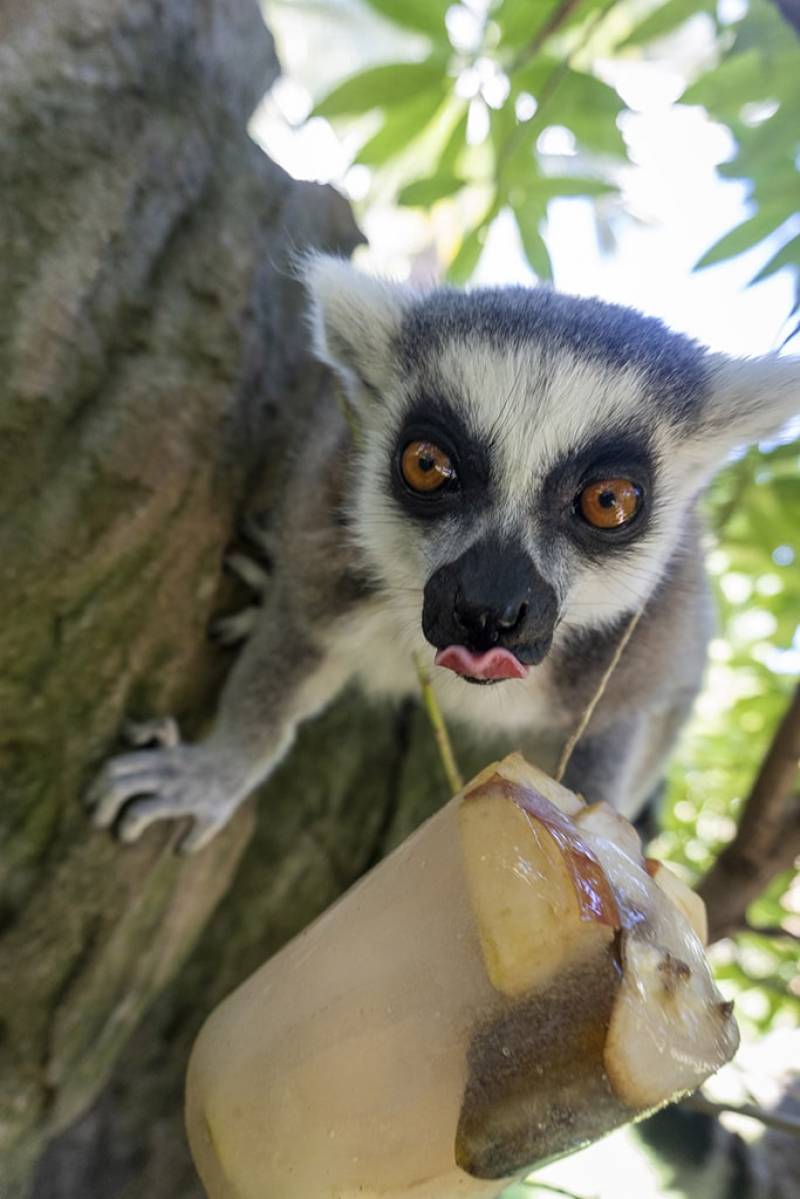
(233, 629)
(134, 790)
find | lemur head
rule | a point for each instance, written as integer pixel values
(528, 459)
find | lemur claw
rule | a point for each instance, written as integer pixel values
(252, 573)
(134, 790)
(235, 628)
(252, 529)
(163, 731)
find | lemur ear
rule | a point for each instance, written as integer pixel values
(750, 399)
(355, 320)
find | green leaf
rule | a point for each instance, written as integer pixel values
(468, 255)
(402, 124)
(738, 80)
(456, 142)
(666, 18)
(520, 21)
(553, 186)
(589, 108)
(465, 261)
(765, 149)
(424, 192)
(529, 217)
(788, 255)
(382, 87)
(743, 237)
(535, 74)
(423, 16)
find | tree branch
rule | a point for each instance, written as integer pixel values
(768, 838)
(772, 931)
(699, 1103)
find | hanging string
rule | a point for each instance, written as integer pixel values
(573, 740)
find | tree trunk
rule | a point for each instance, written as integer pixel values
(153, 368)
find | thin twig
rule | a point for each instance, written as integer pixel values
(569, 748)
(553, 23)
(442, 737)
(554, 1190)
(699, 1103)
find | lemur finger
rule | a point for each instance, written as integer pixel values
(233, 629)
(252, 529)
(113, 794)
(162, 731)
(126, 765)
(249, 571)
(203, 830)
(140, 814)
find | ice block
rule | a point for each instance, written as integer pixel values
(513, 982)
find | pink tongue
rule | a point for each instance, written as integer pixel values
(494, 664)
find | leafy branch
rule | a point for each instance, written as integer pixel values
(540, 53)
(767, 841)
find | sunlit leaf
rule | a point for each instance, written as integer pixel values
(423, 16)
(524, 21)
(381, 87)
(553, 186)
(744, 236)
(529, 219)
(788, 255)
(455, 144)
(465, 261)
(402, 125)
(666, 19)
(424, 192)
(589, 108)
(739, 79)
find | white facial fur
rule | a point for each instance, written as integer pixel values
(534, 400)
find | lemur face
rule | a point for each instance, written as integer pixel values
(528, 459)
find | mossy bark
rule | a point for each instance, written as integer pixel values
(153, 371)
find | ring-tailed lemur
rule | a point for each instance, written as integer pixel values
(524, 481)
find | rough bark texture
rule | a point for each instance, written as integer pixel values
(153, 370)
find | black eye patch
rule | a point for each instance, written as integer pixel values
(623, 455)
(432, 419)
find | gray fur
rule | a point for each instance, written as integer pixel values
(535, 382)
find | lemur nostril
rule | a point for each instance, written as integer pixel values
(511, 616)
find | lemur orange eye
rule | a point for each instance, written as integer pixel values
(610, 503)
(425, 467)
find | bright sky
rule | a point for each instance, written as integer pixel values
(678, 205)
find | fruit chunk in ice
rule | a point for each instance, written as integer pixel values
(540, 897)
(608, 1006)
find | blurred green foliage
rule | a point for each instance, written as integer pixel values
(520, 67)
(754, 559)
